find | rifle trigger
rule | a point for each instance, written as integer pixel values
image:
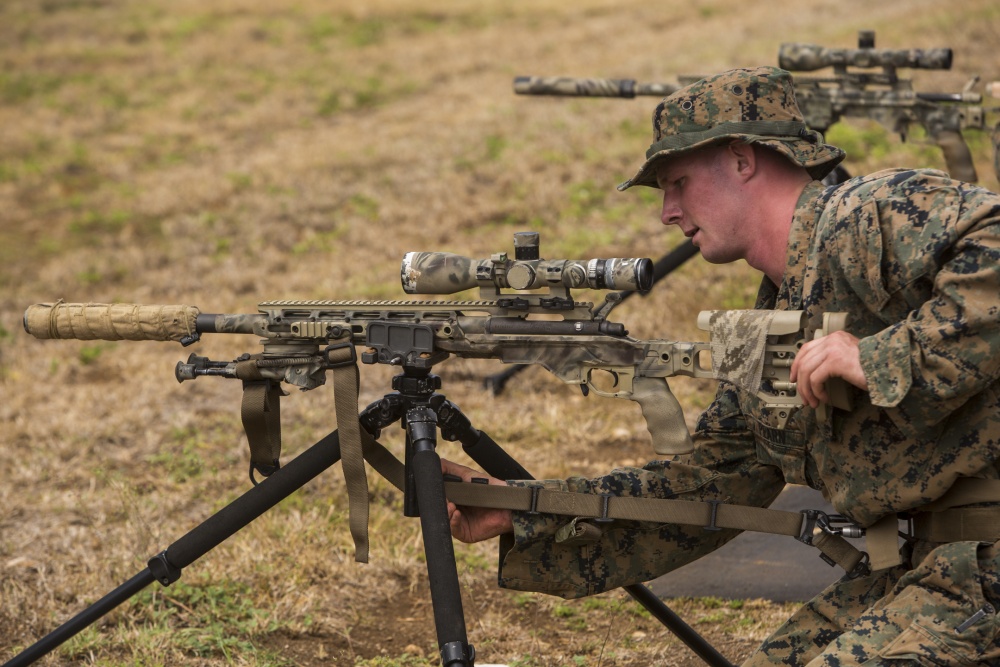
(585, 389)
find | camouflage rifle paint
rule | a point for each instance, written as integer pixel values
(448, 273)
(885, 97)
(573, 87)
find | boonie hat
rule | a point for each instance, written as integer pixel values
(756, 106)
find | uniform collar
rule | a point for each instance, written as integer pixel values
(807, 213)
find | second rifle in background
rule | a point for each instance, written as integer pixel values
(865, 83)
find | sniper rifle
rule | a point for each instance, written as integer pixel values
(525, 315)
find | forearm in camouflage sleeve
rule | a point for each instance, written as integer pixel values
(948, 349)
(576, 557)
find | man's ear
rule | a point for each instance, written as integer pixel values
(745, 159)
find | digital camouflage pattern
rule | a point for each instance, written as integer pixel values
(751, 105)
(800, 57)
(743, 364)
(941, 612)
(914, 258)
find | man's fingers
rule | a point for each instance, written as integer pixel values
(820, 360)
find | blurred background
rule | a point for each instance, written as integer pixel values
(227, 153)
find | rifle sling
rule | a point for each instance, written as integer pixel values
(346, 382)
(261, 415)
(778, 522)
(260, 412)
(968, 511)
(711, 515)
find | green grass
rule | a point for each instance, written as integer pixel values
(204, 619)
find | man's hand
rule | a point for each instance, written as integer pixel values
(834, 355)
(474, 524)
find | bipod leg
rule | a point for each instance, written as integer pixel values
(498, 463)
(442, 571)
(166, 567)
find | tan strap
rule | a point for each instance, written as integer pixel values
(383, 460)
(661, 510)
(261, 415)
(882, 542)
(343, 361)
(260, 412)
(710, 515)
(838, 550)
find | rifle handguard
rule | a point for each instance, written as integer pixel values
(115, 321)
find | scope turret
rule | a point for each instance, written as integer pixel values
(448, 273)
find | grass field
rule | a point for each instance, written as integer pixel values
(222, 154)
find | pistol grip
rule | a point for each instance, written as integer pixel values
(663, 414)
(956, 155)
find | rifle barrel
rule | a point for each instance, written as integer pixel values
(965, 98)
(576, 87)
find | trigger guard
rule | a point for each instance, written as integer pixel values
(618, 391)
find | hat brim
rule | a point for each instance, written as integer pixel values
(817, 158)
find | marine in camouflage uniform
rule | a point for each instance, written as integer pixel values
(914, 258)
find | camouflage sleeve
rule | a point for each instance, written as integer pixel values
(943, 246)
(574, 557)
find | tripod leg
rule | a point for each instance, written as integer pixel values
(498, 463)
(442, 571)
(166, 567)
(81, 621)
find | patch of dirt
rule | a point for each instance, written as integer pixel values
(614, 631)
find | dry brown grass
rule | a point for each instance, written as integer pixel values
(169, 152)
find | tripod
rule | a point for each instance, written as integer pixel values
(421, 411)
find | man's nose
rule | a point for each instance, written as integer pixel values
(670, 214)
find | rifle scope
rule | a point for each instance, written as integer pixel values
(447, 273)
(797, 57)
